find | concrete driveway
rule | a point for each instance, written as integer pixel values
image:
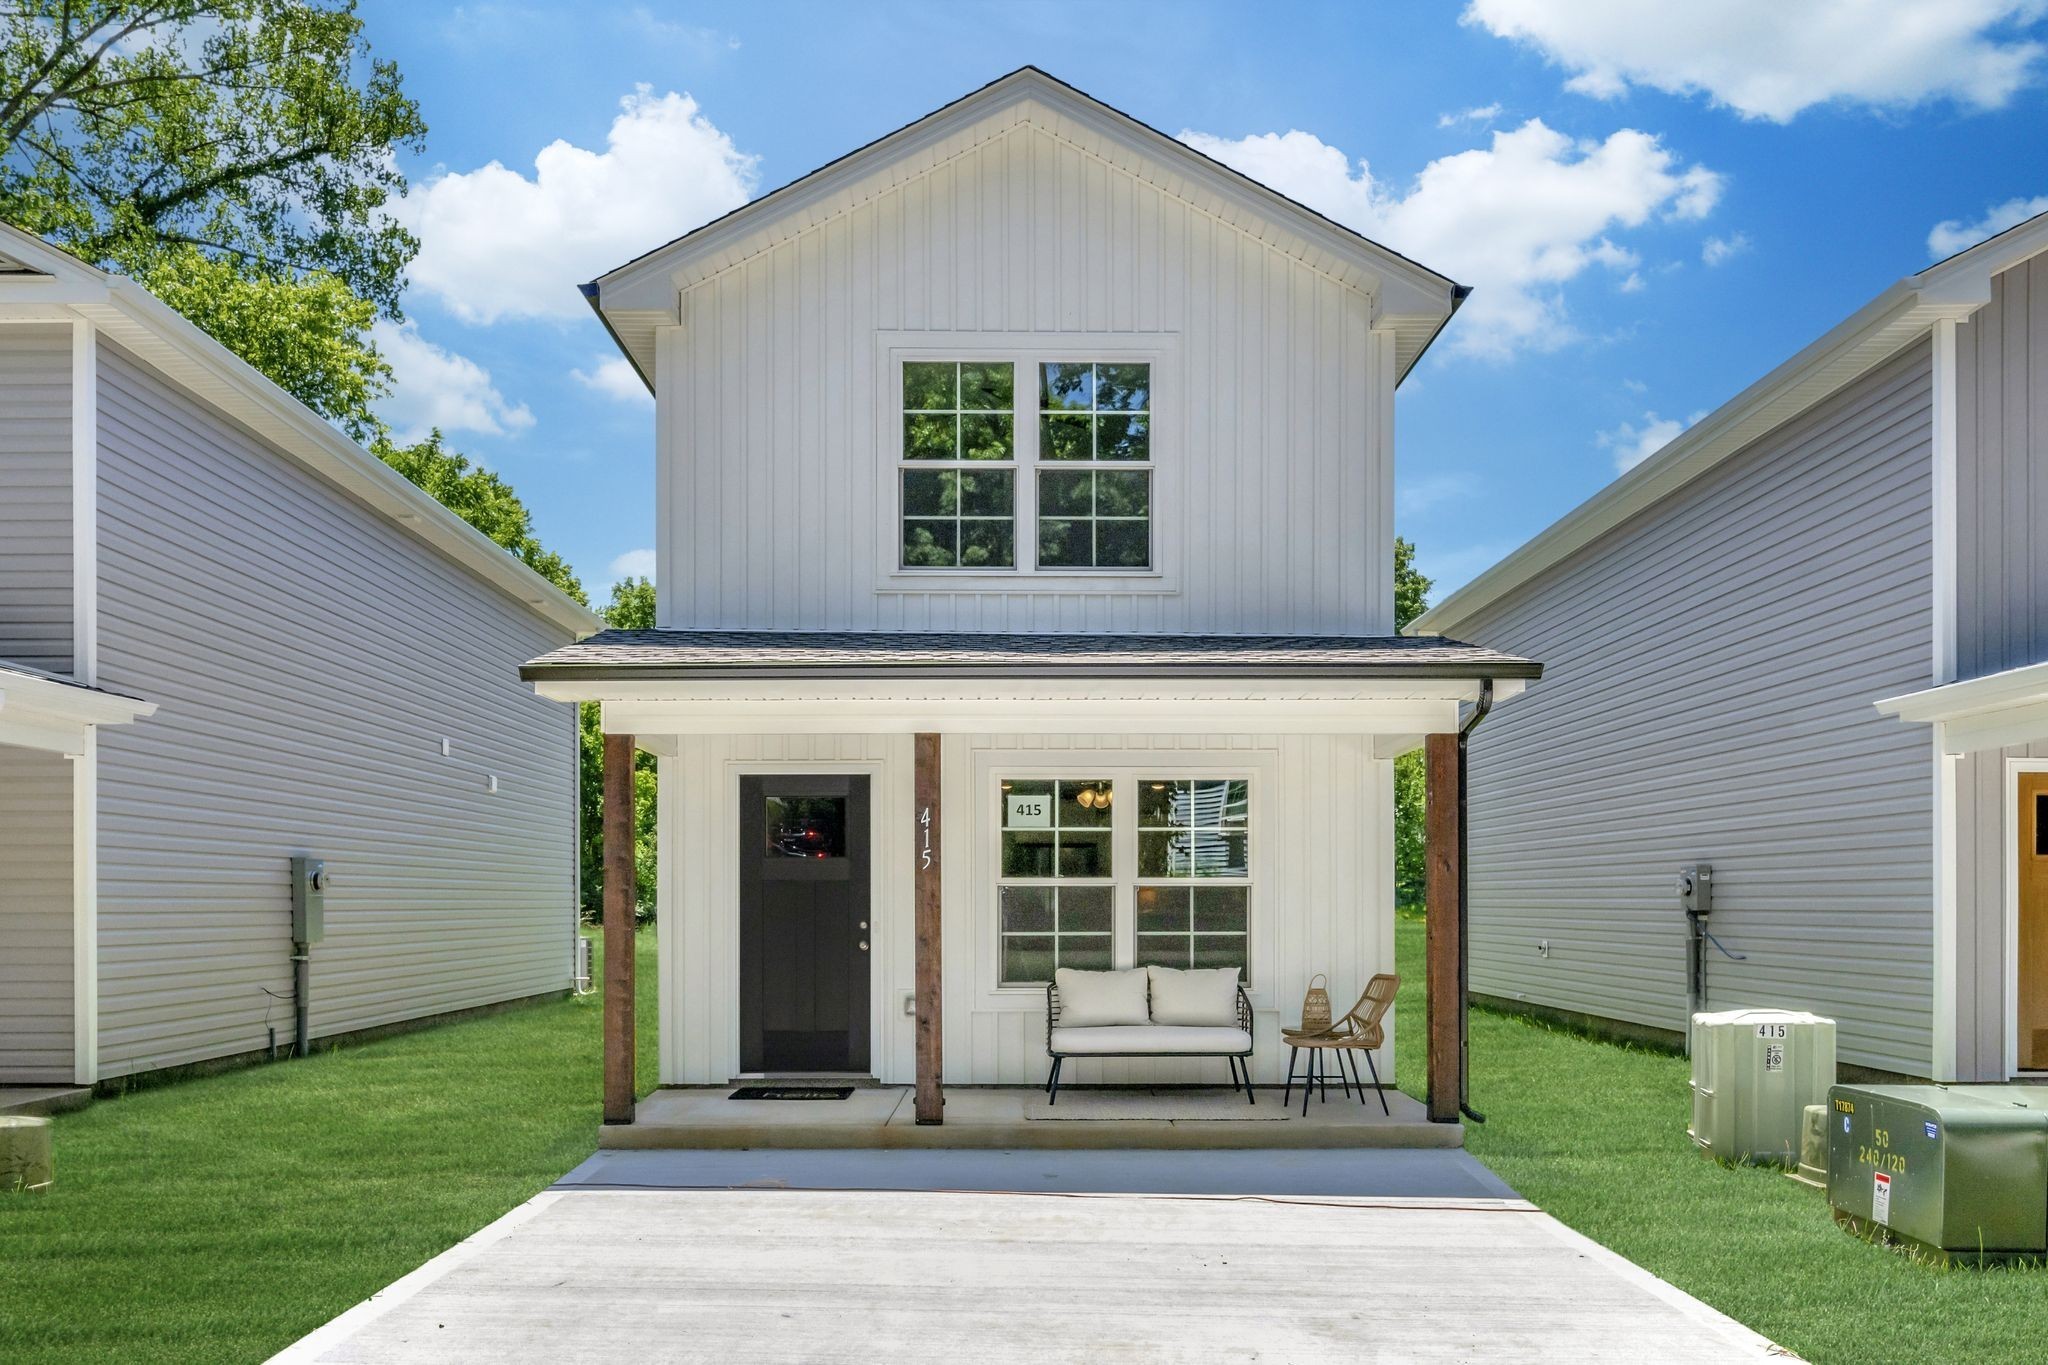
(1028, 1256)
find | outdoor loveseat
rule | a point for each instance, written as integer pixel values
(1149, 1012)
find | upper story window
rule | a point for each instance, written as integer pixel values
(1094, 475)
(959, 453)
(1062, 446)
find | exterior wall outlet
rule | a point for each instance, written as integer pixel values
(491, 783)
(447, 748)
(910, 1002)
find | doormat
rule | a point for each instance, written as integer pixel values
(791, 1092)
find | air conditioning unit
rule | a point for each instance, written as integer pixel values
(582, 965)
(1753, 1074)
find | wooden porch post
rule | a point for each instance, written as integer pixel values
(931, 1098)
(1443, 856)
(621, 891)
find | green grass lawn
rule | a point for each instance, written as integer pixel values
(1595, 1133)
(219, 1219)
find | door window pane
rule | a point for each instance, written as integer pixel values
(806, 827)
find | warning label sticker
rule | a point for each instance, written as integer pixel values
(1881, 1197)
(1774, 1056)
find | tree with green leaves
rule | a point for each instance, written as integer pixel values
(259, 133)
(1411, 599)
(631, 608)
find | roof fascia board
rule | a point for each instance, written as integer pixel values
(139, 320)
(153, 329)
(44, 700)
(1873, 333)
(1954, 701)
(668, 267)
(1952, 289)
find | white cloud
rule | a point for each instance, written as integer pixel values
(1481, 114)
(1632, 283)
(1632, 444)
(1413, 497)
(613, 377)
(1953, 235)
(633, 564)
(495, 243)
(1715, 250)
(434, 387)
(1770, 59)
(1516, 219)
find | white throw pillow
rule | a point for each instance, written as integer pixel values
(1203, 998)
(1097, 999)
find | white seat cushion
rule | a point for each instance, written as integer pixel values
(1205, 997)
(1150, 1038)
(1091, 999)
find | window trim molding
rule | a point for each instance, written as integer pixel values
(1124, 768)
(1161, 350)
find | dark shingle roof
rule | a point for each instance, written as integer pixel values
(852, 654)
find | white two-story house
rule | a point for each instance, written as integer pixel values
(1025, 562)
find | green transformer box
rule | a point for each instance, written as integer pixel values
(1957, 1168)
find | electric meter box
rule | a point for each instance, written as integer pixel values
(1958, 1168)
(1753, 1073)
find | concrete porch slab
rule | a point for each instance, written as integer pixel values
(1002, 1117)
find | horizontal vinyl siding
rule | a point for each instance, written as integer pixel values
(1322, 898)
(307, 658)
(35, 495)
(1708, 673)
(780, 502)
(2002, 476)
(35, 915)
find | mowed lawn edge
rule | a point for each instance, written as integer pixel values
(221, 1218)
(1595, 1133)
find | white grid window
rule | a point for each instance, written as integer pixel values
(1194, 873)
(1094, 471)
(1056, 897)
(958, 475)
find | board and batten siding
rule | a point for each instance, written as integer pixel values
(1322, 898)
(35, 916)
(1709, 669)
(308, 658)
(35, 495)
(2002, 476)
(777, 473)
(1985, 864)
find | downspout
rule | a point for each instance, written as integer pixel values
(1479, 710)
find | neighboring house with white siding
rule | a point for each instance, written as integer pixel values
(228, 637)
(1025, 542)
(1734, 631)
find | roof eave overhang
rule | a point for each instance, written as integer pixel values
(1954, 289)
(1078, 672)
(59, 717)
(643, 294)
(1990, 712)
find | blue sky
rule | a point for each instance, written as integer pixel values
(1654, 210)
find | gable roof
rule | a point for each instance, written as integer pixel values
(38, 279)
(1906, 311)
(641, 295)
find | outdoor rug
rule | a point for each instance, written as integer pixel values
(1121, 1106)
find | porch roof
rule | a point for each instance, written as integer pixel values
(40, 710)
(651, 655)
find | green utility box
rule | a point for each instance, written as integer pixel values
(1959, 1168)
(1753, 1073)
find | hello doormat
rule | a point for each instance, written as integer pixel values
(791, 1092)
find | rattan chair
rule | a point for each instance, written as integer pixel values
(1358, 1031)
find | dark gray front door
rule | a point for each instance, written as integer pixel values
(804, 941)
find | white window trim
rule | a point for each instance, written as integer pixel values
(1123, 769)
(1161, 350)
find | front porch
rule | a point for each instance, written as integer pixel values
(1016, 1117)
(973, 811)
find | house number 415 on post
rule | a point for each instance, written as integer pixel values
(924, 839)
